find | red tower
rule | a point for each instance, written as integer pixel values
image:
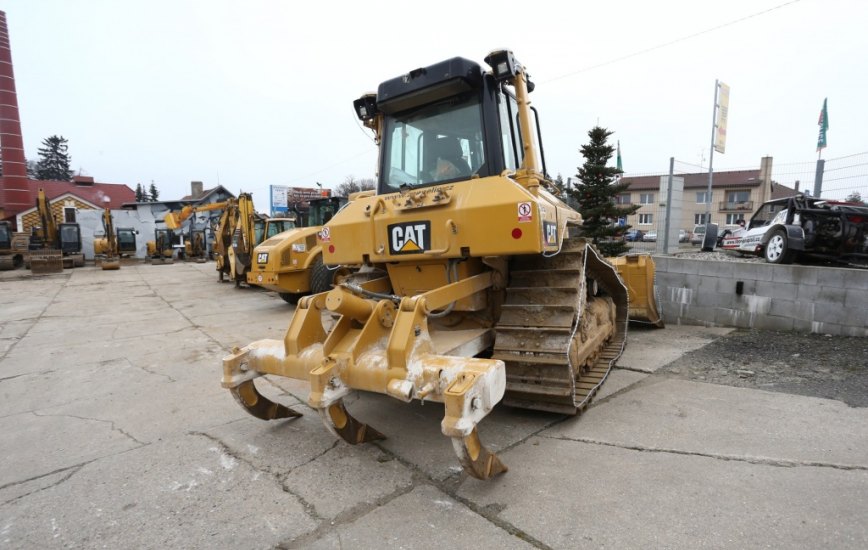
(14, 190)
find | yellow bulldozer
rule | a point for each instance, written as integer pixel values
(290, 263)
(475, 286)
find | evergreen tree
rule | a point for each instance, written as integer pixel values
(140, 193)
(595, 193)
(53, 160)
(153, 194)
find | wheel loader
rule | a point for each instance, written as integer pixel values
(473, 289)
(290, 263)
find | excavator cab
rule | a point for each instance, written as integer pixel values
(70, 238)
(472, 291)
(5, 236)
(127, 241)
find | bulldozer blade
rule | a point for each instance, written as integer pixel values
(638, 273)
(476, 459)
(338, 420)
(258, 405)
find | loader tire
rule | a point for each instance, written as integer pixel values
(321, 277)
(289, 297)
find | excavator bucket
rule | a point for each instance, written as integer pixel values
(111, 264)
(46, 261)
(637, 272)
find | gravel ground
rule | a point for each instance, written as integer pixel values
(832, 367)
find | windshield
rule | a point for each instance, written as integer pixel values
(278, 226)
(321, 214)
(433, 144)
(4, 234)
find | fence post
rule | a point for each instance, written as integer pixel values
(818, 177)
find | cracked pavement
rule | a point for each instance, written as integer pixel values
(115, 432)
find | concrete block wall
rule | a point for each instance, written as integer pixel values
(824, 300)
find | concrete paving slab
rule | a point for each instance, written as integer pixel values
(185, 492)
(694, 417)
(36, 444)
(413, 433)
(347, 479)
(159, 409)
(616, 381)
(421, 519)
(276, 446)
(648, 349)
(575, 495)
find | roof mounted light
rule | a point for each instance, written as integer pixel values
(503, 64)
(366, 107)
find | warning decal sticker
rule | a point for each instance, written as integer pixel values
(525, 212)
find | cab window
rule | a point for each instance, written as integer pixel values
(433, 144)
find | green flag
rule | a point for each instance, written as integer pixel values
(618, 164)
(824, 125)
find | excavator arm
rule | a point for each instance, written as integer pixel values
(175, 219)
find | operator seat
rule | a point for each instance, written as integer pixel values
(448, 148)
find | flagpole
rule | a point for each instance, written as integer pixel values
(711, 157)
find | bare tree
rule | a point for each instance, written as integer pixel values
(353, 185)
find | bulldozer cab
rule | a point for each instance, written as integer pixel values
(464, 126)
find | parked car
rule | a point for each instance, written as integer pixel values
(650, 236)
(697, 235)
(683, 236)
(634, 235)
(783, 230)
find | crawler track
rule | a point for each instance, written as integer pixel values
(562, 328)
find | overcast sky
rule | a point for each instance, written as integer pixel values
(249, 94)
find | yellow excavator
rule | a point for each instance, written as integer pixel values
(239, 231)
(195, 245)
(53, 246)
(476, 287)
(106, 248)
(290, 263)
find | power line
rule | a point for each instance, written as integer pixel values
(671, 42)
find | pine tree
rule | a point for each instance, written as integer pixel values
(153, 194)
(595, 193)
(140, 193)
(53, 160)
